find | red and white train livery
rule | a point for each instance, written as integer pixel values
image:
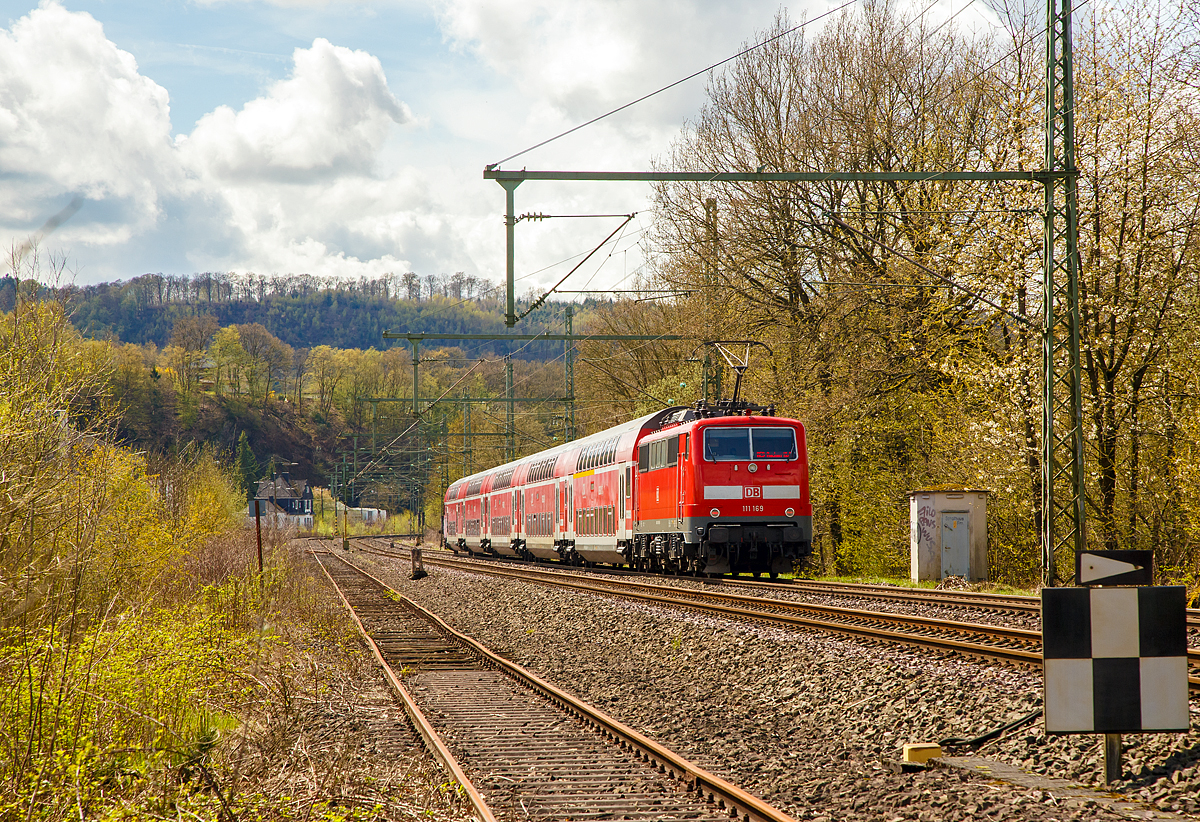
(687, 489)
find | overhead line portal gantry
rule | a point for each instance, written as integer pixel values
(1063, 491)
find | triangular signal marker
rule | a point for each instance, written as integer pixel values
(1093, 567)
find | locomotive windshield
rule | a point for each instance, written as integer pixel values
(744, 444)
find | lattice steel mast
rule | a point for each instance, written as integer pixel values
(1063, 489)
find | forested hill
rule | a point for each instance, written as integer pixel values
(302, 311)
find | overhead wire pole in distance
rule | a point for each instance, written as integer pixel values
(712, 372)
(510, 444)
(569, 376)
(415, 339)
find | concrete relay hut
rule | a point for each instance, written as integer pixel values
(948, 533)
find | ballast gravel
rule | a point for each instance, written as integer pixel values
(801, 718)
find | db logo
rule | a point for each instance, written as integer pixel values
(752, 492)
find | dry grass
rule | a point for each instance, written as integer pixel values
(324, 735)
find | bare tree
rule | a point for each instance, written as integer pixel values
(190, 337)
(327, 369)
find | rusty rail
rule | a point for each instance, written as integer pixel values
(699, 780)
(789, 613)
(435, 743)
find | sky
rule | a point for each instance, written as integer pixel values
(345, 139)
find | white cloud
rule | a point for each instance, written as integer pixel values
(587, 55)
(330, 117)
(297, 170)
(77, 117)
(290, 182)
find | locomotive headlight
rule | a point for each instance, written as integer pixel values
(716, 512)
(790, 512)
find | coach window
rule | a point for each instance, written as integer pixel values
(673, 451)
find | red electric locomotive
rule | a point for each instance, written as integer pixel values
(704, 490)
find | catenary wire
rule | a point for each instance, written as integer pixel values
(691, 76)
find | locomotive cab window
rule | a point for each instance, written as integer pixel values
(773, 443)
(745, 444)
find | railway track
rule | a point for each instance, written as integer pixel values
(1014, 604)
(521, 748)
(994, 642)
(1028, 607)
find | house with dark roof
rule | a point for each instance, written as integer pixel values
(284, 501)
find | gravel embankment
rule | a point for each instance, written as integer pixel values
(950, 613)
(801, 718)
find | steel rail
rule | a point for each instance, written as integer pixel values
(1014, 603)
(437, 746)
(698, 779)
(676, 597)
(979, 600)
(755, 605)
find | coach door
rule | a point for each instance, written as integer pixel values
(620, 523)
(629, 493)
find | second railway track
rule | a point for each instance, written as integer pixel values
(524, 749)
(997, 642)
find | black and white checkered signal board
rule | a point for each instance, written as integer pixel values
(1115, 659)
